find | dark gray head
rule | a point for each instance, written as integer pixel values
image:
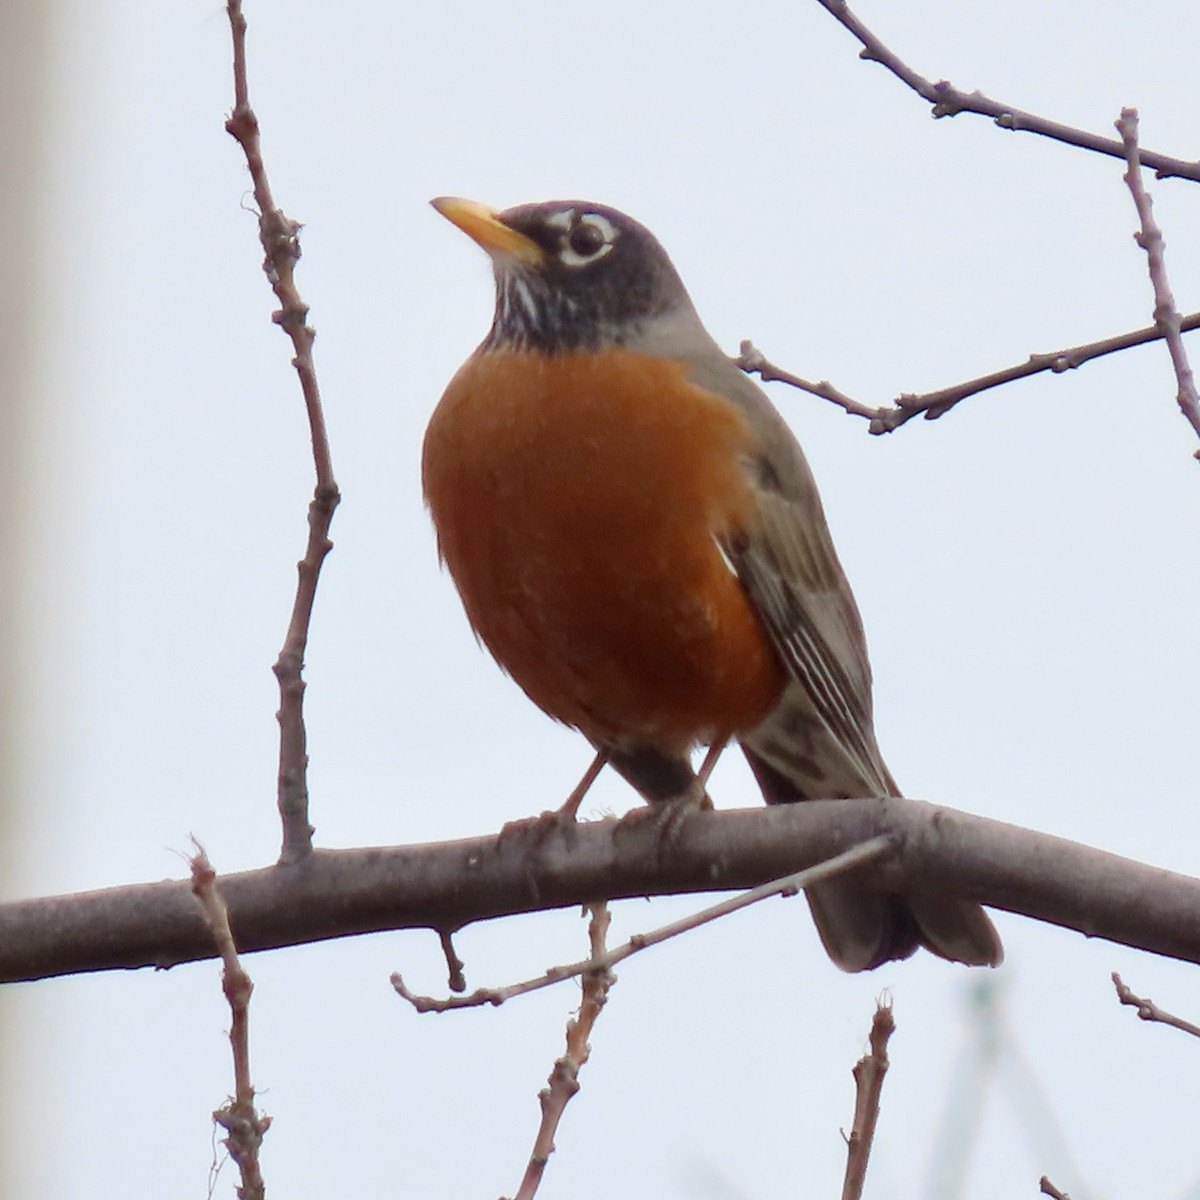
(570, 275)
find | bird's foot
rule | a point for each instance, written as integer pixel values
(539, 829)
(556, 820)
(669, 816)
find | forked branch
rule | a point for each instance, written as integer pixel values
(885, 418)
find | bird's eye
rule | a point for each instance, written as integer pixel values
(586, 239)
(590, 238)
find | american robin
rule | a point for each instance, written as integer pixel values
(638, 540)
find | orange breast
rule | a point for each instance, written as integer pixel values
(576, 499)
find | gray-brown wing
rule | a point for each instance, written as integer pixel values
(820, 740)
(790, 573)
(786, 561)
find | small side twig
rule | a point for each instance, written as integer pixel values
(1048, 1189)
(280, 238)
(888, 417)
(857, 856)
(242, 1123)
(1166, 316)
(754, 362)
(868, 1082)
(564, 1078)
(1147, 1010)
(456, 978)
(949, 101)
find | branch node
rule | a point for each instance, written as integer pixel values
(1147, 1010)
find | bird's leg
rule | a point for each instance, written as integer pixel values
(710, 759)
(563, 817)
(571, 805)
(706, 768)
(672, 812)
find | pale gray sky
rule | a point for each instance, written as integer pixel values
(1026, 567)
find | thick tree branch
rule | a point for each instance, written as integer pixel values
(949, 101)
(445, 885)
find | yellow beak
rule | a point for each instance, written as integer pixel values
(484, 226)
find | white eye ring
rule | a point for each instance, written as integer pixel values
(570, 257)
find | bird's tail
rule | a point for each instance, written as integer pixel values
(862, 928)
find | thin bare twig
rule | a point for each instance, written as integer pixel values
(1150, 238)
(242, 1123)
(564, 1078)
(888, 417)
(1048, 1189)
(754, 362)
(280, 238)
(1147, 1010)
(948, 101)
(868, 1083)
(866, 852)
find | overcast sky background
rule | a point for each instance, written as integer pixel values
(1027, 569)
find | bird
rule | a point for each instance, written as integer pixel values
(637, 539)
